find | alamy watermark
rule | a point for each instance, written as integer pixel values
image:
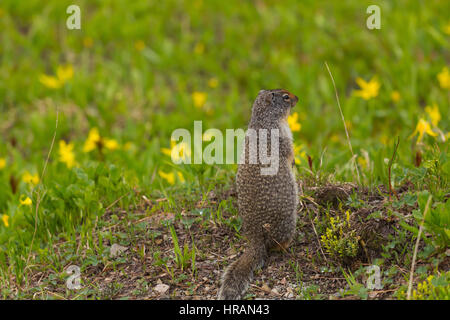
(374, 279)
(374, 20)
(257, 152)
(74, 20)
(74, 281)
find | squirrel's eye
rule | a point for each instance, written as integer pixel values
(286, 97)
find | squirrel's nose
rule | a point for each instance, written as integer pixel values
(294, 100)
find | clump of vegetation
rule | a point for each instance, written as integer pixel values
(432, 288)
(340, 240)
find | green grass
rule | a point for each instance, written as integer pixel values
(136, 66)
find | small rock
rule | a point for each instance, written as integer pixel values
(117, 249)
(161, 288)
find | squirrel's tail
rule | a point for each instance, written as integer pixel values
(238, 275)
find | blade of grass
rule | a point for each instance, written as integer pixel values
(39, 196)
(345, 126)
(411, 274)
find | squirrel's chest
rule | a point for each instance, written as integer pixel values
(285, 131)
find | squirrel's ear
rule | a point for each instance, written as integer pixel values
(272, 97)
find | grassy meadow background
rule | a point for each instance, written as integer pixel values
(116, 89)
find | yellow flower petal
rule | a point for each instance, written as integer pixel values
(50, 81)
(5, 219)
(368, 89)
(111, 144)
(293, 122)
(29, 178)
(92, 140)
(181, 177)
(444, 78)
(423, 127)
(2, 163)
(64, 73)
(26, 202)
(166, 151)
(66, 154)
(199, 99)
(169, 177)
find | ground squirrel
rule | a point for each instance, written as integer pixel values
(267, 203)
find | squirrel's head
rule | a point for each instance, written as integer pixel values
(273, 105)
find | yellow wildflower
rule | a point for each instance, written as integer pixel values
(423, 127)
(213, 83)
(29, 178)
(169, 177)
(293, 122)
(139, 45)
(444, 78)
(50, 81)
(92, 140)
(181, 177)
(299, 154)
(111, 144)
(168, 151)
(395, 96)
(368, 89)
(2, 163)
(199, 99)
(434, 114)
(66, 154)
(5, 219)
(63, 73)
(26, 202)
